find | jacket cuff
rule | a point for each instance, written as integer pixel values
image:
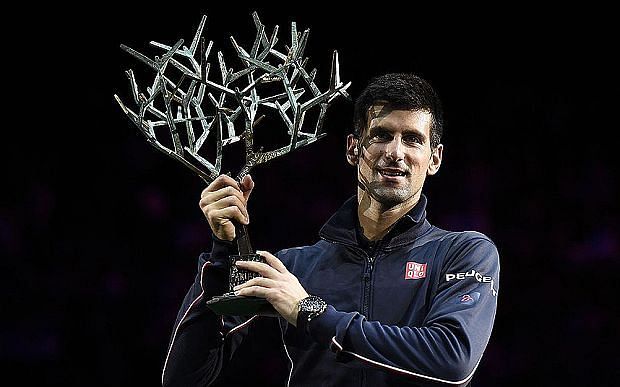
(221, 249)
(214, 281)
(330, 324)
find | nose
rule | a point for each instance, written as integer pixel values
(394, 149)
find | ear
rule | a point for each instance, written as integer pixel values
(352, 150)
(436, 156)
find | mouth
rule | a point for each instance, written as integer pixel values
(392, 172)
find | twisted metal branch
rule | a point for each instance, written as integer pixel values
(291, 106)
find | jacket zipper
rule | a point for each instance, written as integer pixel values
(370, 264)
(370, 259)
(367, 277)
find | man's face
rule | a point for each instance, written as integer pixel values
(395, 154)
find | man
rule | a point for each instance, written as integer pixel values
(384, 298)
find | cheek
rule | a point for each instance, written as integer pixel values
(418, 166)
(366, 163)
(419, 159)
(372, 152)
(365, 166)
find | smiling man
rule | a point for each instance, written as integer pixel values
(384, 298)
(396, 156)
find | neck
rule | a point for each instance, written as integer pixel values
(377, 219)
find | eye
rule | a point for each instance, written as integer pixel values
(412, 139)
(381, 136)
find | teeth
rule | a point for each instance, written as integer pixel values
(388, 173)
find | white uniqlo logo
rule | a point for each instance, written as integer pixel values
(415, 270)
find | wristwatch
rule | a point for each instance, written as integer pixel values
(309, 308)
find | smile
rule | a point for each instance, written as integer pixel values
(392, 172)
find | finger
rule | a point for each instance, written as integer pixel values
(246, 186)
(255, 291)
(220, 182)
(226, 202)
(273, 261)
(226, 214)
(257, 281)
(258, 267)
(212, 196)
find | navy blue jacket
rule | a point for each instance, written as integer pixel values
(415, 308)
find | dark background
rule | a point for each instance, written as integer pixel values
(99, 232)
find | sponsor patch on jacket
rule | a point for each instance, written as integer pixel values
(475, 275)
(468, 299)
(415, 270)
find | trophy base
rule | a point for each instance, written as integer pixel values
(231, 305)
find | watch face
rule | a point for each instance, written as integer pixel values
(309, 308)
(312, 304)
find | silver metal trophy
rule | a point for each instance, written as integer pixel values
(174, 119)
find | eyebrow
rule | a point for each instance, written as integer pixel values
(380, 128)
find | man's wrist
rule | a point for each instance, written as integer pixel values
(221, 250)
(308, 309)
(220, 240)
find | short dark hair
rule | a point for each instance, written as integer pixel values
(401, 91)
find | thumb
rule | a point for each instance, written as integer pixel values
(246, 186)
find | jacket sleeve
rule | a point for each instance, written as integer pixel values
(201, 340)
(448, 346)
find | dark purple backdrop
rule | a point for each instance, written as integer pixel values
(99, 233)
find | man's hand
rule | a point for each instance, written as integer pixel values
(224, 200)
(277, 285)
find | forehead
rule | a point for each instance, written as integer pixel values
(386, 117)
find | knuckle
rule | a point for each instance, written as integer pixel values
(234, 191)
(230, 190)
(261, 270)
(233, 200)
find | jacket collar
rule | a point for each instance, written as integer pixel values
(343, 225)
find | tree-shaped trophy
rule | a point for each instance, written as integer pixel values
(182, 82)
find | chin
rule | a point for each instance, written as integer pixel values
(389, 196)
